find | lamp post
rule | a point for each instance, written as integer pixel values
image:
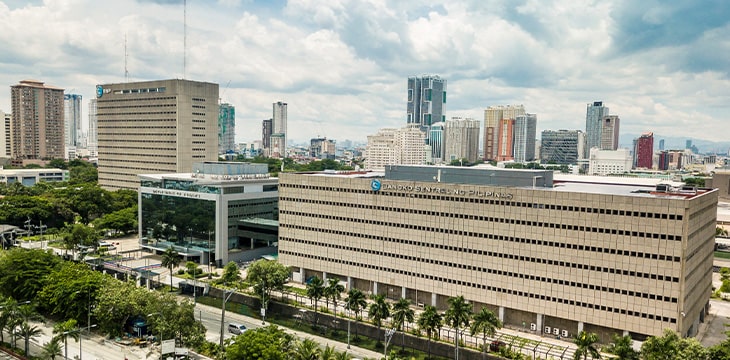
(163, 319)
(388, 336)
(348, 325)
(79, 331)
(223, 314)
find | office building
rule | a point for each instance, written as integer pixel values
(609, 162)
(426, 100)
(278, 128)
(226, 128)
(37, 126)
(322, 148)
(575, 253)
(404, 146)
(72, 124)
(661, 144)
(30, 177)
(595, 112)
(525, 132)
(493, 117)
(506, 144)
(609, 132)
(92, 142)
(562, 147)
(5, 135)
(644, 151)
(671, 160)
(266, 128)
(154, 127)
(436, 142)
(219, 212)
(461, 140)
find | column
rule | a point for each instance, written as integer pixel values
(349, 283)
(324, 277)
(538, 321)
(501, 314)
(375, 288)
(433, 299)
(301, 272)
(580, 326)
(403, 292)
(626, 333)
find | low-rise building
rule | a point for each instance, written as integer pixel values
(30, 177)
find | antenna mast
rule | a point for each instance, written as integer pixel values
(126, 55)
(185, 35)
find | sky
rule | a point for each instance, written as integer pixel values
(342, 65)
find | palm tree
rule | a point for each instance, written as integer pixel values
(343, 356)
(622, 348)
(457, 315)
(378, 311)
(315, 291)
(170, 260)
(402, 313)
(486, 323)
(7, 315)
(355, 302)
(333, 291)
(430, 321)
(328, 353)
(63, 331)
(586, 346)
(720, 232)
(27, 314)
(306, 350)
(52, 348)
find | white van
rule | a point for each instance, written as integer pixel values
(236, 328)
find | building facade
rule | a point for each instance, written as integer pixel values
(607, 162)
(506, 143)
(30, 177)
(609, 132)
(461, 140)
(644, 151)
(322, 148)
(37, 127)
(226, 128)
(266, 127)
(436, 141)
(493, 117)
(92, 141)
(426, 100)
(278, 128)
(404, 146)
(609, 258)
(562, 147)
(5, 149)
(153, 127)
(525, 132)
(218, 213)
(72, 124)
(594, 126)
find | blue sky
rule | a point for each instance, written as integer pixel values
(342, 65)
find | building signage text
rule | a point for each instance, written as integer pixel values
(176, 193)
(444, 191)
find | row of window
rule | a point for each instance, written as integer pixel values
(554, 244)
(134, 106)
(531, 295)
(439, 214)
(582, 209)
(538, 260)
(134, 113)
(101, 102)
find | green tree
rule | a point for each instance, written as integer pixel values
(170, 260)
(720, 232)
(27, 313)
(306, 349)
(671, 347)
(622, 347)
(485, 323)
(355, 302)
(175, 319)
(22, 271)
(343, 356)
(80, 234)
(724, 273)
(120, 301)
(402, 313)
(69, 290)
(457, 315)
(430, 321)
(586, 343)
(269, 343)
(267, 276)
(378, 311)
(64, 330)
(52, 349)
(124, 221)
(333, 291)
(8, 316)
(231, 275)
(315, 291)
(328, 353)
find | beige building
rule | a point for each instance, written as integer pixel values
(550, 257)
(461, 139)
(154, 127)
(404, 146)
(37, 129)
(493, 117)
(5, 135)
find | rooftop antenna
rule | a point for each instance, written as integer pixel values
(185, 36)
(126, 56)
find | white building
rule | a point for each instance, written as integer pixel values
(605, 162)
(91, 140)
(5, 135)
(404, 146)
(72, 124)
(461, 139)
(278, 134)
(30, 177)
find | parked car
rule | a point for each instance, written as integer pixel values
(236, 328)
(496, 345)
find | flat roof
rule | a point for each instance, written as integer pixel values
(210, 179)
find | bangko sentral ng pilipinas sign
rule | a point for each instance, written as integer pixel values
(440, 190)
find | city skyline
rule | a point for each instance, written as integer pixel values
(342, 67)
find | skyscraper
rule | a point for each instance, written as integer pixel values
(93, 141)
(154, 127)
(436, 141)
(404, 146)
(493, 115)
(505, 144)
(644, 151)
(524, 133)
(562, 147)
(594, 125)
(226, 128)
(5, 135)
(37, 129)
(426, 100)
(72, 124)
(266, 127)
(461, 139)
(609, 132)
(661, 144)
(278, 135)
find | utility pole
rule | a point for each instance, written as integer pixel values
(223, 314)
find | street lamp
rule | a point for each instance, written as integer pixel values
(163, 319)
(348, 325)
(223, 313)
(388, 336)
(79, 331)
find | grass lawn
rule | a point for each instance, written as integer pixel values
(722, 254)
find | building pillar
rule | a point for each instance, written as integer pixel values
(349, 283)
(403, 292)
(251, 243)
(580, 326)
(375, 288)
(324, 276)
(626, 333)
(501, 314)
(434, 297)
(301, 272)
(538, 321)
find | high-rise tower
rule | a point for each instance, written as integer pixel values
(609, 132)
(278, 131)
(426, 100)
(72, 123)
(594, 125)
(524, 132)
(5, 134)
(493, 117)
(226, 128)
(37, 128)
(93, 141)
(644, 151)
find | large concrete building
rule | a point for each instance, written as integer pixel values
(278, 130)
(5, 135)
(563, 147)
(404, 146)
(603, 255)
(594, 126)
(426, 100)
(72, 124)
(493, 117)
(226, 128)
(153, 127)
(461, 139)
(30, 177)
(37, 129)
(607, 162)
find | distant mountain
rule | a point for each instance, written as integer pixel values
(677, 143)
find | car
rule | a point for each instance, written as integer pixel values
(107, 245)
(496, 345)
(236, 329)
